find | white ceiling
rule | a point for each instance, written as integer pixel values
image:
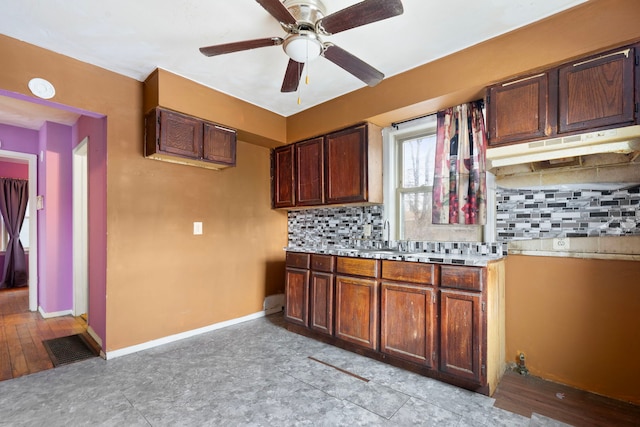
(135, 37)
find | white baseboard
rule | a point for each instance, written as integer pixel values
(54, 314)
(177, 337)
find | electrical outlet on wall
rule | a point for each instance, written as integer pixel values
(367, 230)
(197, 228)
(561, 244)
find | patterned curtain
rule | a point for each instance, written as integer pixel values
(459, 187)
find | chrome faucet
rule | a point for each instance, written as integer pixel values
(387, 228)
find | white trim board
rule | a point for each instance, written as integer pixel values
(55, 313)
(177, 337)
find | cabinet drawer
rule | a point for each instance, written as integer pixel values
(322, 262)
(411, 272)
(358, 266)
(298, 260)
(461, 277)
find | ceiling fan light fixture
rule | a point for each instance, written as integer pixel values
(303, 47)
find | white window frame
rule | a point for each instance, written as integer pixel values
(392, 139)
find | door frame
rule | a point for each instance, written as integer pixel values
(32, 161)
(80, 229)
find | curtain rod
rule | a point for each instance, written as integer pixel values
(396, 124)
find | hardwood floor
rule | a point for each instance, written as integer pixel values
(526, 394)
(22, 333)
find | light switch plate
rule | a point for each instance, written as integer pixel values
(367, 230)
(561, 244)
(197, 228)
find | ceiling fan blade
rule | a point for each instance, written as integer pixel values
(359, 14)
(278, 11)
(292, 76)
(353, 65)
(220, 49)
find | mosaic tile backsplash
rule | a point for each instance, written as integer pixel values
(343, 227)
(539, 214)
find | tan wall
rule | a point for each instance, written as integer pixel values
(577, 321)
(164, 280)
(161, 279)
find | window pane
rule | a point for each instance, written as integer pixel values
(415, 216)
(418, 161)
(24, 234)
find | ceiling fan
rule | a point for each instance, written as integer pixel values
(306, 21)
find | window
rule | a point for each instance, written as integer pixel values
(409, 162)
(24, 233)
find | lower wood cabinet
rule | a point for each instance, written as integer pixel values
(461, 334)
(297, 288)
(297, 296)
(357, 311)
(443, 321)
(321, 295)
(408, 322)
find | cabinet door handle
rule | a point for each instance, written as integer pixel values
(623, 52)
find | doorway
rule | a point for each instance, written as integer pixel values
(31, 160)
(80, 231)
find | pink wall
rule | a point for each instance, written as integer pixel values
(55, 263)
(14, 170)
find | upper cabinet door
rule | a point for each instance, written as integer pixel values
(219, 144)
(180, 135)
(310, 172)
(282, 176)
(519, 110)
(597, 92)
(346, 165)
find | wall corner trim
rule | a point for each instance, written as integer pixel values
(54, 313)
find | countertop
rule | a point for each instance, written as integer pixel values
(476, 260)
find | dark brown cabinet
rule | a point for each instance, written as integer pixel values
(346, 159)
(219, 144)
(443, 321)
(321, 293)
(339, 168)
(282, 177)
(408, 312)
(297, 288)
(460, 334)
(310, 172)
(461, 318)
(356, 312)
(518, 109)
(179, 138)
(597, 92)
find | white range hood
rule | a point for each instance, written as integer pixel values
(620, 140)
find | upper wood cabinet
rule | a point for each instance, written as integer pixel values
(518, 109)
(597, 92)
(310, 172)
(179, 138)
(282, 178)
(346, 159)
(338, 168)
